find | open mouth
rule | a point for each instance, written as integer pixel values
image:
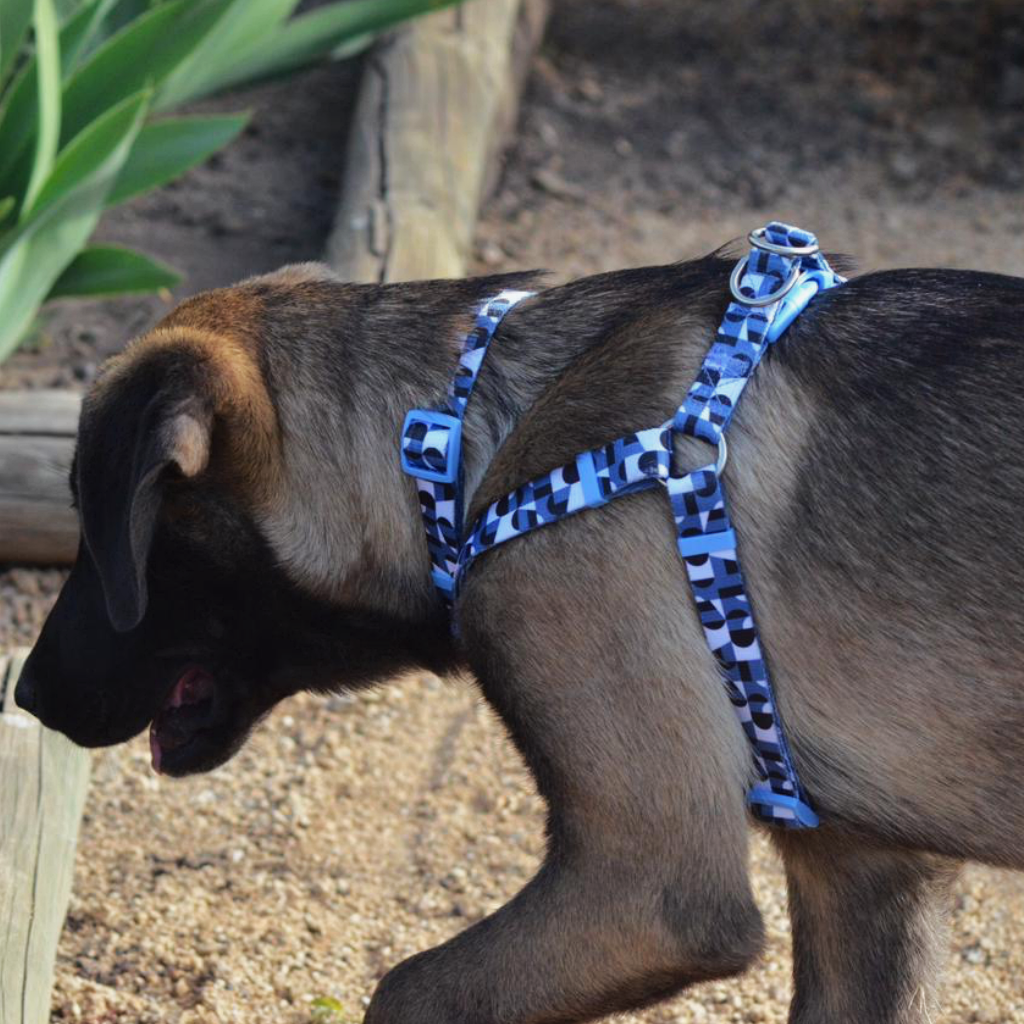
(185, 725)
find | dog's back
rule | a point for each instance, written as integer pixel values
(876, 478)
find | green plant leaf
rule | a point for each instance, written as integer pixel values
(327, 1010)
(16, 110)
(167, 148)
(111, 270)
(48, 77)
(80, 158)
(318, 33)
(80, 30)
(66, 8)
(15, 18)
(352, 46)
(142, 54)
(243, 25)
(18, 117)
(33, 255)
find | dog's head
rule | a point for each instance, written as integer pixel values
(182, 612)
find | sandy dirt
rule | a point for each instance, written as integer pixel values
(351, 833)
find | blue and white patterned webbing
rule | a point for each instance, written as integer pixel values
(770, 287)
(431, 446)
(784, 283)
(747, 330)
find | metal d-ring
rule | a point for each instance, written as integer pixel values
(723, 455)
(757, 239)
(765, 300)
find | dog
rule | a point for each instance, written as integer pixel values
(247, 533)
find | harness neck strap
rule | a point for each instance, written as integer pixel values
(431, 447)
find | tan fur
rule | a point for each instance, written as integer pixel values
(220, 331)
(189, 441)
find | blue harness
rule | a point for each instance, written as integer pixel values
(770, 287)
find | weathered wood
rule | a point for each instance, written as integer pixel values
(47, 413)
(44, 781)
(433, 102)
(37, 437)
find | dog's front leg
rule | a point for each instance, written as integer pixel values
(582, 940)
(637, 751)
(869, 930)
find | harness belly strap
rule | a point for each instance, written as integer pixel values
(770, 287)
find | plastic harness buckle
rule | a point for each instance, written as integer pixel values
(431, 445)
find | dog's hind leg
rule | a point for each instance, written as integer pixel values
(869, 930)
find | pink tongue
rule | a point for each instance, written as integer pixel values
(192, 688)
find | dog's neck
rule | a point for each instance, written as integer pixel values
(346, 524)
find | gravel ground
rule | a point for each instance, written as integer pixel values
(351, 833)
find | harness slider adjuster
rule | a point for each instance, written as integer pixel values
(431, 445)
(796, 300)
(706, 543)
(768, 802)
(444, 582)
(588, 480)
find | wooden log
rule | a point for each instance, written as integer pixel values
(45, 777)
(40, 413)
(37, 440)
(435, 103)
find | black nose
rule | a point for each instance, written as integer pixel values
(25, 692)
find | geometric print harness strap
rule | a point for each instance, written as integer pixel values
(707, 544)
(770, 287)
(630, 464)
(431, 447)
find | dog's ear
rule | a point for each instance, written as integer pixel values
(146, 429)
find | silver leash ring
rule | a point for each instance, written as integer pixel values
(758, 239)
(723, 455)
(765, 300)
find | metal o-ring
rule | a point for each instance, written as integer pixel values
(723, 455)
(757, 239)
(765, 300)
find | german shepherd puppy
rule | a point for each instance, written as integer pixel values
(247, 533)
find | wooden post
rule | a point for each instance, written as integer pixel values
(43, 781)
(37, 441)
(435, 103)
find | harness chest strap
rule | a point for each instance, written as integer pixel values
(770, 287)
